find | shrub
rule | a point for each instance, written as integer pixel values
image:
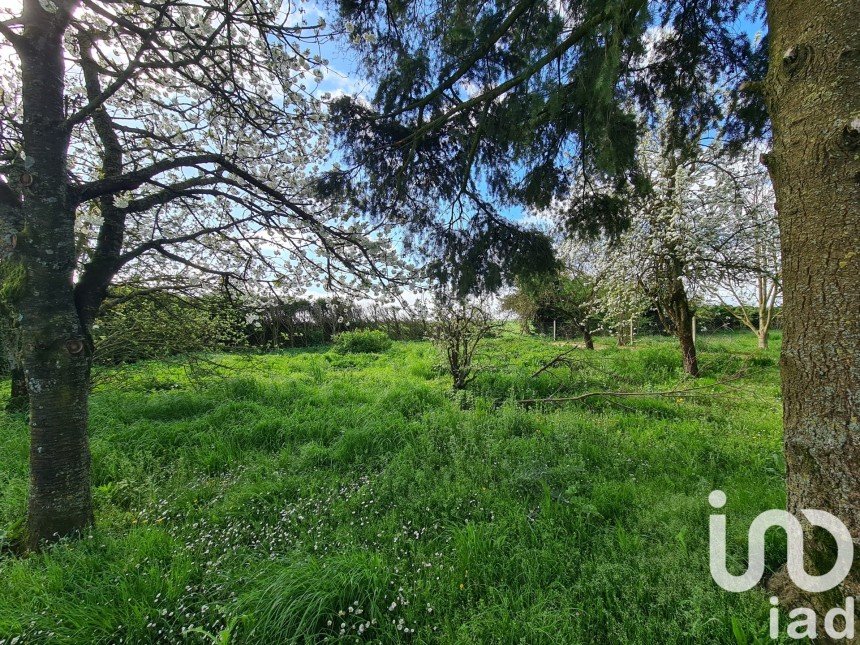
(361, 341)
(460, 326)
(162, 325)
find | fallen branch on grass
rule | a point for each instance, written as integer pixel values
(688, 392)
(558, 359)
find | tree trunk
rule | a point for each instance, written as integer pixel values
(586, 336)
(688, 351)
(11, 277)
(683, 319)
(98, 273)
(54, 349)
(813, 95)
(762, 339)
(18, 398)
(673, 307)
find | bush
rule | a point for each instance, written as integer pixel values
(162, 325)
(362, 341)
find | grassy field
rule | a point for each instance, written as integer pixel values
(317, 497)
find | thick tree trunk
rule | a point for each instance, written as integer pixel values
(813, 95)
(54, 348)
(60, 502)
(762, 339)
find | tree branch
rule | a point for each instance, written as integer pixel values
(468, 62)
(680, 392)
(575, 36)
(166, 241)
(134, 179)
(14, 39)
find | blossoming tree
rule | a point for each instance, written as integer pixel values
(160, 140)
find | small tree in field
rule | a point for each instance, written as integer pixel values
(459, 327)
(524, 306)
(615, 299)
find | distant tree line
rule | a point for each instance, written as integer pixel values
(166, 324)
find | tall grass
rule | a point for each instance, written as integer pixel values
(320, 498)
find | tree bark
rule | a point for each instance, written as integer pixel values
(586, 336)
(54, 349)
(813, 94)
(688, 351)
(673, 308)
(683, 319)
(18, 397)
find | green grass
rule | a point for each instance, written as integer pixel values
(309, 495)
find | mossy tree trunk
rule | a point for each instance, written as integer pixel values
(54, 348)
(11, 282)
(813, 94)
(11, 332)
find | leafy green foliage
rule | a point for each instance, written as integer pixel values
(483, 259)
(361, 341)
(164, 325)
(568, 301)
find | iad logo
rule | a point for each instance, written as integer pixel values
(787, 521)
(805, 626)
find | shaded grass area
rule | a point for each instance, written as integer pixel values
(315, 497)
